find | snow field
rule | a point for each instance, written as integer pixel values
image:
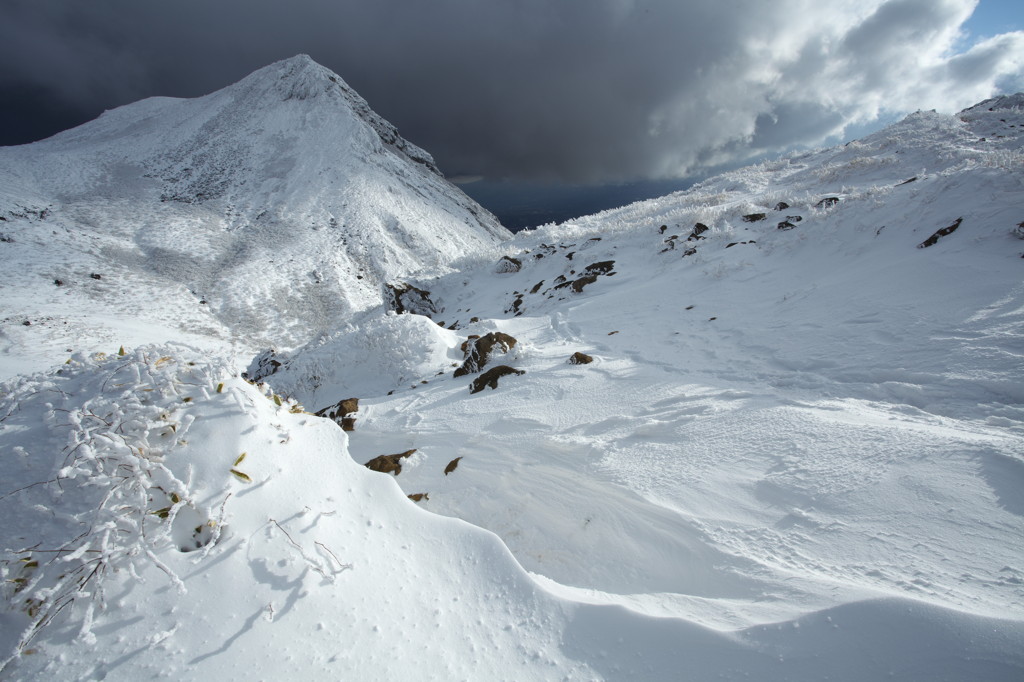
(835, 419)
(336, 572)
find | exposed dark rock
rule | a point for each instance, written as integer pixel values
(670, 243)
(478, 351)
(509, 264)
(786, 225)
(689, 252)
(388, 464)
(698, 230)
(590, 275)
(794, 218)
(6, 239)
(416, 497)
(452, 465)
(405, 298)
(262, 366)
(602, 268)
(27, 323)
(940, 233)
(781, 206)
(827, 202)
(740, 243)
(59, 282)
(536, 287)
(661, 230)
(340, 413)
(96, 276)
(516, 304)
(579, 358)
(578, 284)
(491, 376)
(907, 182)
(753, 217)
(1018, 231)
(545, 250)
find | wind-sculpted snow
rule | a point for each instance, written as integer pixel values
(163, 518)
(797, 452)
(371, 357)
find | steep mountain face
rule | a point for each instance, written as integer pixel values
(268, 211)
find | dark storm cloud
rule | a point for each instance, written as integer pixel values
(583, 90)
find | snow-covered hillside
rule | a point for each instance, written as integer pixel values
(267, 212)
(789, 446)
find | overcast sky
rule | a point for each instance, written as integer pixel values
(570, 90)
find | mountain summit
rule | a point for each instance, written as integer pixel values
(282, 192)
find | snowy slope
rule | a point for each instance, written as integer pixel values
(797, 453)
(214, 534)
(784, 420)
(266, 212)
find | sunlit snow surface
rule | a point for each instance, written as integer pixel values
(797, 457)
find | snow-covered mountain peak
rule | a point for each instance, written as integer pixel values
(301, 78)
(282, 194)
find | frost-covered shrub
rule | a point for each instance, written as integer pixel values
(96, 441)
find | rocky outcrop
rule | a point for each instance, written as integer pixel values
(389, 464)
(579, 358)
(508, 264)
(262, 366)
(341, 413)
(405, 298)
(698, 230)
(491, 376)
(589, 276)
(931, 241)
(478, 351)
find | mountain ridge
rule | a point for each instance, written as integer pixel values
(286, 180)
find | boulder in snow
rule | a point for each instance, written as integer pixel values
(389, 464)
(478, 351)
(491, 376)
